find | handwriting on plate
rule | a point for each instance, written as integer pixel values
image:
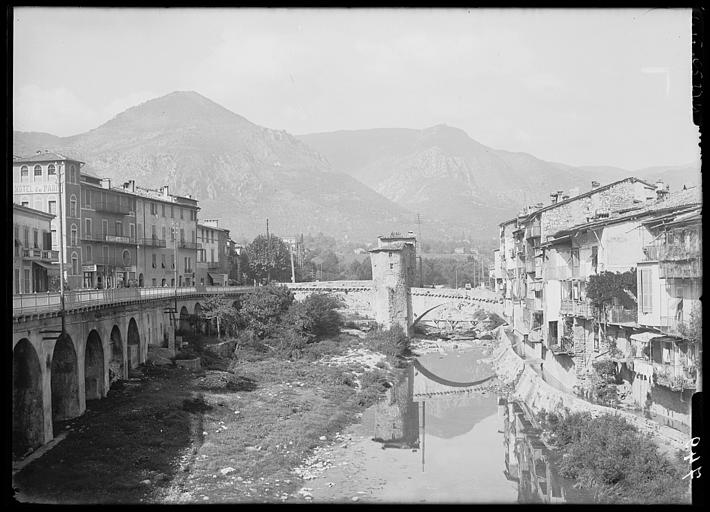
(692, 458)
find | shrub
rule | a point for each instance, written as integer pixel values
(186, 353)
(609, 455)
(604, 382)
(262, 309)
(391, 342)
(315, 316)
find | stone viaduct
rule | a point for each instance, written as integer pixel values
(63, 359)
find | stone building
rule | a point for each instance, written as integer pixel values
(393, 273)
(33, 260)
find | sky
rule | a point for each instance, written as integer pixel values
(577, 86)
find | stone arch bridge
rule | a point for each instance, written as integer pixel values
(63, 358)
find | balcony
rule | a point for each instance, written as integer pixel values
(112, 207)
(686, 269)
(40, 254)
(675, 251)
(533, 304)
(118, 239)
(674, 376)
(620, 315)
(533, 230)
(564, 346)
(153, 242)
(184, 244)
(577, 308)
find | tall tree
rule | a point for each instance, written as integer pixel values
(268, 257)
(218, 307)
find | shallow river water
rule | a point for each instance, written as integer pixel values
(441, 436)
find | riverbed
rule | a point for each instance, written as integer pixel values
(438, 437)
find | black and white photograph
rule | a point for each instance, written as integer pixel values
(355, 255)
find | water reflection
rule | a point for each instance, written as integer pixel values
(446, 411)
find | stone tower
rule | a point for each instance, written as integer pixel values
(393, 274)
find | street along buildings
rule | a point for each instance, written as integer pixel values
(628, 231)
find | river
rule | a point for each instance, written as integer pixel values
(441, 436)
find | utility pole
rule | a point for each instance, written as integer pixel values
(60, 167)
(293, 270)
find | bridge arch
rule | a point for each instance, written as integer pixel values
(200, 323)
(184, 320)
(27, 400)
(116, 364)
(65, 380)
(134, 343)
(94, 385)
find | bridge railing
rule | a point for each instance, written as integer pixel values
(41, 302)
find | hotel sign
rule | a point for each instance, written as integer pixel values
(88, 268)
(35, 188)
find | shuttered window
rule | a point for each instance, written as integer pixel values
(645, 296)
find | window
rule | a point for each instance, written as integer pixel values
(74, 239)
(152, 232)
(104, 253)
(575, 257)
(74, 264)
(46, 240)
(35, 239)
(72, 174)
(17, 280)
(172, 261)
(104, 226)
(54, 237)
(154, 259)
(172, 212)
(87, 228)
(52, 207)
(212, 255)
(72, 206)
(119, 228)
(24, 172)
(132, 231)
(17, 240)
(51, 170)
(162, 232)
(87, 198)
(172, 234)
(182, 234)
(194, 236)
(162, 260)
(181, 214)
(126, 257)
(26, 284)
(162, 210)
(88, 253)
(27, 237)
(154, 283)
(645, 295)
(38, 170)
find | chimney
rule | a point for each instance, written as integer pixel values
(165, 190)
(565, 197)
(595, 184)
(659, 185)
(130, 185)
(105, 183)
(553, 197)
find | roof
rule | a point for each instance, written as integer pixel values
(32, 211)
(392, 246)
(579, 196)
(645, 337)
(47, 156)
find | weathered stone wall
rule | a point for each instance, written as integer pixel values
(392, 302)
(465, 302)
(357, 296)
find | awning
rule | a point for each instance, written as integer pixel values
(645, 337)
(48, 266)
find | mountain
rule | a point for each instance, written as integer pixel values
(240, 172)
(444, 174)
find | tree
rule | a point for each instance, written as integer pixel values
(606, 286)
(262, 309)
(268, 259)
(218, 307)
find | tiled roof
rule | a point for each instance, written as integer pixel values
(44, 157)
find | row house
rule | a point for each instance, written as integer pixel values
(34, 261)
(658, 236)
(113, 236)
(214, 257)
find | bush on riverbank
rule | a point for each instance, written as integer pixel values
(610, 456)
(394, 342)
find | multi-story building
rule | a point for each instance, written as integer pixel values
(167, 229)
(658, 238)
(213, 258)
(109, 245)
(33, 260)
(37, 183)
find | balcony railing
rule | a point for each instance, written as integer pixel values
(184, 244)
(674, 376)
(577, 308)
(40, 254)
(119, 239)
(153, 242)
(620, 315)
(533, 304)
(112, 207)
(687, 269)
(675, 251)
